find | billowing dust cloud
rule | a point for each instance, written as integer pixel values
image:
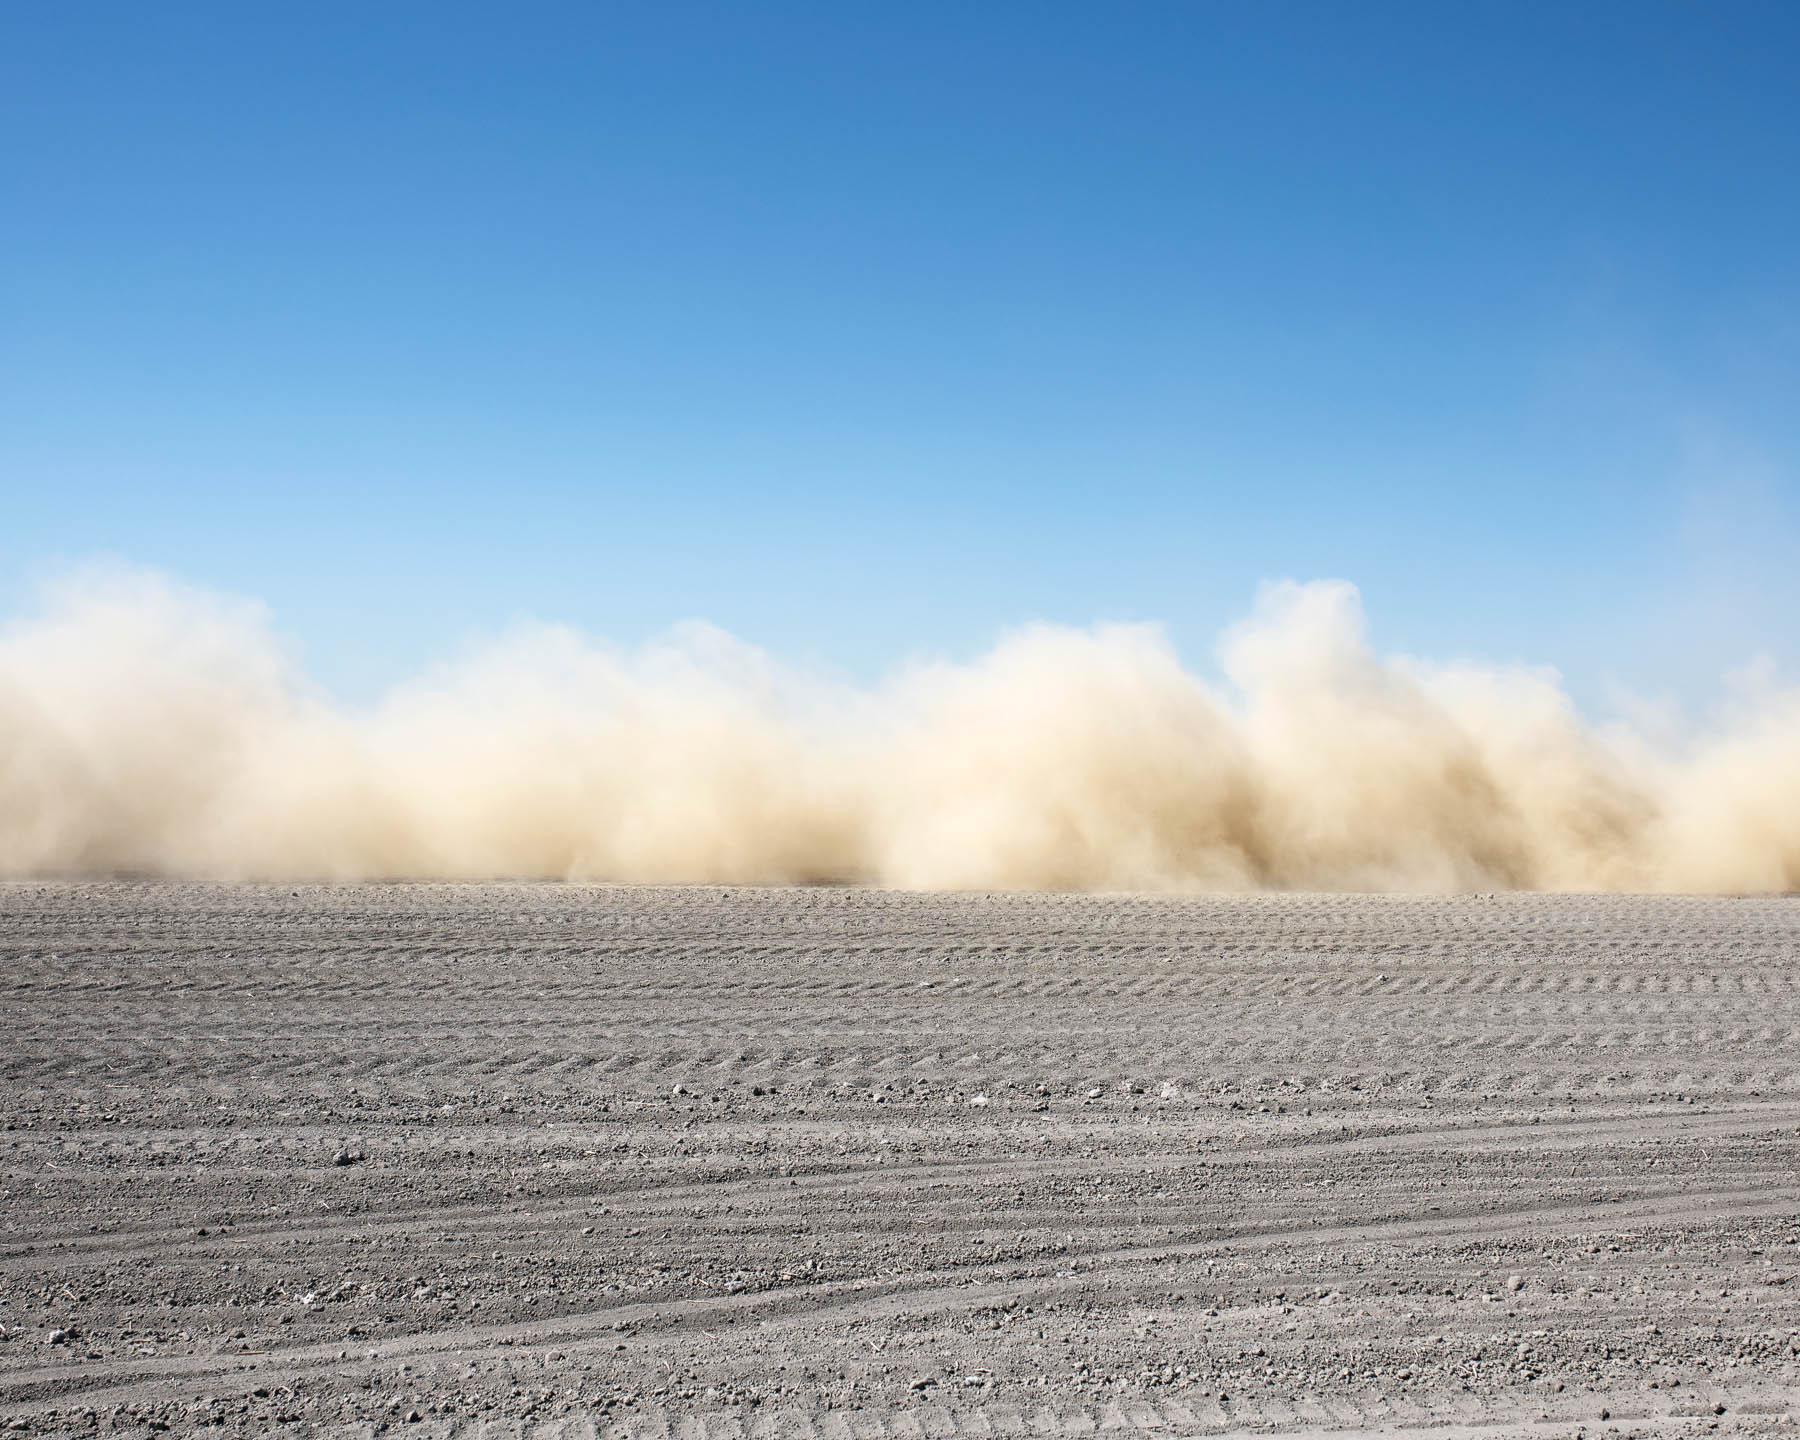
(149, 729)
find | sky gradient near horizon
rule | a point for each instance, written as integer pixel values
(868, 331)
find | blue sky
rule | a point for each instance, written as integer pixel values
(867, 331)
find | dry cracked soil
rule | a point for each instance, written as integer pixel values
(834, 1164)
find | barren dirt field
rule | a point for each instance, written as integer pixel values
(834, 1164)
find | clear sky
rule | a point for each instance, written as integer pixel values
(866, 331)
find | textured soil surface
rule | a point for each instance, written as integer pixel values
(833, 1164)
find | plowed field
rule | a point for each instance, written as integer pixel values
(833, 1164)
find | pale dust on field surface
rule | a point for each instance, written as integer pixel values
(834, 1164)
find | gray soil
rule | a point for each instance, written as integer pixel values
(834, 1164)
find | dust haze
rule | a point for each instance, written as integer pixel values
(147, 728)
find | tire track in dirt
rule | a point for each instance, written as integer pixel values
(870, 1184)
(921, 1294)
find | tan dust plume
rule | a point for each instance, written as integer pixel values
(150, 729)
